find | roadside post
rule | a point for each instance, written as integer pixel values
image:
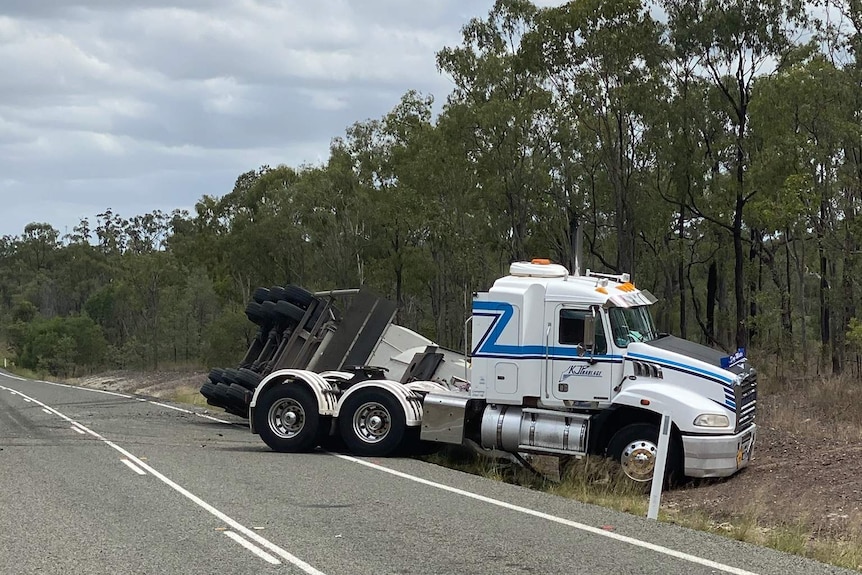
(660, 465)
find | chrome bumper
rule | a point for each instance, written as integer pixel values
(718, 456)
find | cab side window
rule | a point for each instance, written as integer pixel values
(571, 330)
(571, 327)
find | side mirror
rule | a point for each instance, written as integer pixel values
(590, 332)
(589, 345)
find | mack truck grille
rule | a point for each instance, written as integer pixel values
(746, 401)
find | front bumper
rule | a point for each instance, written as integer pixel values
(718, 455)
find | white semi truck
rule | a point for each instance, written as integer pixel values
(559, 364)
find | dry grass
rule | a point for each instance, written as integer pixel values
(189, 394)
(827, 406)
(796, 538)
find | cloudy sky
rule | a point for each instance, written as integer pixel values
(140, 105)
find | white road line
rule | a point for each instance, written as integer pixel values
(102, 391)
(174, 407)
(126, 396)
(234, 524)
(253, 548)
(48, 411)
(133, 467)
(79, 430)
(581, 526)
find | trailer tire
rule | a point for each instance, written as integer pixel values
(245, 378)
(277, 293)
(287, 420)
(255, 313)
(634, 448)
(289, 311)
(208, 390)
(298, 296)
(372, 423)
(239, 395)
(260, 295)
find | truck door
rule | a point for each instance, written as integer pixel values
(572, 374)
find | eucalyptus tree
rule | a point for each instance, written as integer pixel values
(603, 62)
(736, 41)
(802, 119)
(503, 105)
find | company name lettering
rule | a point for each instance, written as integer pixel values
(580, 371)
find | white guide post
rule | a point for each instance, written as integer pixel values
(660, 465)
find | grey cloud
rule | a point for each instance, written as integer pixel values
(149, 104)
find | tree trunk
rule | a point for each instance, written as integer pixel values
(711, 298)
(680, 272)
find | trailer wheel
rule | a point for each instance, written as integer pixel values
(298, 296)
(260, 295)
(635, 448)
(287, 420)
(372, 423)
(289, 311)
(246, 378)
(255, 313)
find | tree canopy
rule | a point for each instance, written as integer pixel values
(711, 148)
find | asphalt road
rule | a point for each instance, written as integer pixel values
(94, 482)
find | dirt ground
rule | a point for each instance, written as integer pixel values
(802, 475)
(160, 384)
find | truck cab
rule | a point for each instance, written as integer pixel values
(545, 340)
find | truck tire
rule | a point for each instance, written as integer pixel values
(289, 311)
(287, 420)
(255, 313)
(208, 390)
(372, 423)
(245, 378)
(299, 297)
(277, 293)
(260, 295)
(222, 399)
(216, 375)
(240, 397)
(634, 448)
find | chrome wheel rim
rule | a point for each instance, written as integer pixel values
(638, 460)
(286, 418)
(372, 422)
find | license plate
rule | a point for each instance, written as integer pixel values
(743, 451)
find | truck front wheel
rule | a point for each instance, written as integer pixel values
(287, 420)
(635, 448)
(372, 423)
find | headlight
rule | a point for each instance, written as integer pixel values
(711, 420)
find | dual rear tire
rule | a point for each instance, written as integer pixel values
(371, 421)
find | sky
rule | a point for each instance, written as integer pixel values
(142, 105)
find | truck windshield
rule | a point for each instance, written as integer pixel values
(632, 324)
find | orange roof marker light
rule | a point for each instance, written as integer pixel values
(627, 287)
(541, 261)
